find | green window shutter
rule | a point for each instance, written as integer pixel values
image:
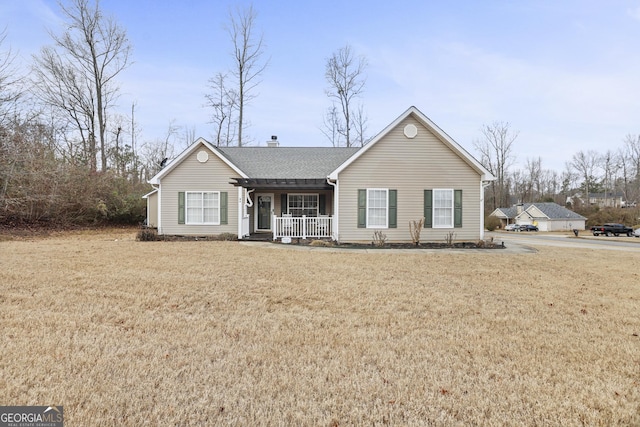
(428, 208)
(322, 204)
(224, 210)
(457, 208)
(362, 208)
(393, 208)
(181, 207)
(283, 204)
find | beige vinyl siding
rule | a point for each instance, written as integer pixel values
(152, 210)
(191, 175)
(409, 166)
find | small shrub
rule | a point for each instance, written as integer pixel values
(321, 243)
(449, 238)
(147, 235)
(491, 222)
(379, 238)
(226, 237)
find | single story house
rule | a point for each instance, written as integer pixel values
(410, 170)
(546, 216)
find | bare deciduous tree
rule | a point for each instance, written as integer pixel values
(496, 154)
(77, 75)
(632, 150)
(585, 163)
(345, 74)
(10, 81)
(248, 50)
(224, 102)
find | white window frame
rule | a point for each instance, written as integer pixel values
(216, 208)
(450, 208)
(386, 208)
(317, 196)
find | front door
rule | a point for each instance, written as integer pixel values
(263, 211)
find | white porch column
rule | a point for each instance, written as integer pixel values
(240, 212)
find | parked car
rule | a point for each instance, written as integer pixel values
(528, 227)
(512, 227)
(637, 232)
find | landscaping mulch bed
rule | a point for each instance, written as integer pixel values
(424, 245)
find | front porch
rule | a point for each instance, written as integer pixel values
(295, 209)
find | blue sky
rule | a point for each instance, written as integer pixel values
(565, 74)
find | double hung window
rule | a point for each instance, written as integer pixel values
(202, 207)
(377, 207)
(303, 204)
(442, 208)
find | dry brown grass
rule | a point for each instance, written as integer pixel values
(216, 333)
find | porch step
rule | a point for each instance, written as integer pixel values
(259, 237)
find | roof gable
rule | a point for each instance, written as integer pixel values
(501, 213)
(434, 129)
(200, 142)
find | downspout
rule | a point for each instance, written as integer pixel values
(483, 185)
(160, 232)
(157, 207)
(247, 202)
(334, 223)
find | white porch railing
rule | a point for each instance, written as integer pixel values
(301, 227)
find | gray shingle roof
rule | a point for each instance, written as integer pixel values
(555, 211)
(287, 162)
(552, 210)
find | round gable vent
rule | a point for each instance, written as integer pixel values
(203, 156)
(410, 131)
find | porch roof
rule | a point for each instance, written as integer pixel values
(282, 183)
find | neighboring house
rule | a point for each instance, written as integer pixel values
(607, 200)
(603, 200)
(412, 169)
(546, 216)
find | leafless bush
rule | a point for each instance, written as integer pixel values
(379, 238)
(449, 238)
(415, 228)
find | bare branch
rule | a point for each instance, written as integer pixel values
(248, 50)
(345, 74)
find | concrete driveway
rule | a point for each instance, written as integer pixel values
(585, 241)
